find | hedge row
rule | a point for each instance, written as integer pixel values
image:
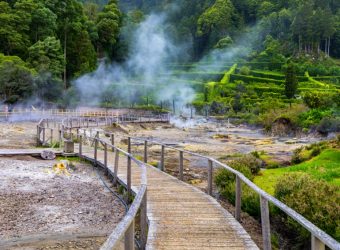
(226, 77)
(250, 79)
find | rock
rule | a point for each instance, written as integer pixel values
(48, 155)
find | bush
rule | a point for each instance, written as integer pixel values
(245, 70)
(248, 165)
(318, 99)
(316, 200)
(225, 182)
(248, 161)
(312, 117)
(328, 125)
(306, 153)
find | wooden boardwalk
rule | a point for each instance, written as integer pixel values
(181, 216)
(31, 152)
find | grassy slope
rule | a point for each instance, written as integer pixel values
(326, 166)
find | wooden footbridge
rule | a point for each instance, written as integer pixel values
(165, 212)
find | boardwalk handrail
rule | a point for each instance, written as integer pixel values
(126, 227)
(319, 238)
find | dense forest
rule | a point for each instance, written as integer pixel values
(46, 45)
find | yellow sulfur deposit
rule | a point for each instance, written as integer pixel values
(61, 168)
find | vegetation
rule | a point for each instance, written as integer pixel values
(44, 43)
(299, 186)
(302, 192)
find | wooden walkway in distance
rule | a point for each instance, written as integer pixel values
(31, 152)
(180, 215)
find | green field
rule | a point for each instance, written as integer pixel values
(325, 166)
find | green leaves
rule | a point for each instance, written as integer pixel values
(217, 18)
(16, 80)
(291, 83)
(108, 24)
(46, 56)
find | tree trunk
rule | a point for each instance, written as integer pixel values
(65, 55)
(329, 46)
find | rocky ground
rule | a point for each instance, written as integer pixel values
(41, 208)
(18, 134)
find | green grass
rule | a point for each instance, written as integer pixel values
(326, 167)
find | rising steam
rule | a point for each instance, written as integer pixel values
(146, 76)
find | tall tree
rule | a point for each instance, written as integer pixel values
(108, 24)
(16, 79)
(291, 83)
(47, 56)
(44, 23)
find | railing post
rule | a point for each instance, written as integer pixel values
(130, 237)
(128, 179)
(38, 135)
(129, 145)
(95, 149)
(51, 136)
(43, 140)
(210, 176)
(80, 145)
(143, 222)
(317, 244)
(181, 165)
(146, 151)
(113, 142)
(60, 138)
(105, 156)
(265, 223)
(115, 174)
(161, 167)
(238, 197)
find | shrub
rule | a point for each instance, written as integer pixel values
(306, 153)
(248, 165)
(248, 161)
(314, 99)
(245, 70)
(328, 125)
(312, 117)
(225, 182)
(297, 157)
(316, 200)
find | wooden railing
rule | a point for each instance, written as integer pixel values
(47, 126)
(122, 116)
(319, 238)
(126, 228)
